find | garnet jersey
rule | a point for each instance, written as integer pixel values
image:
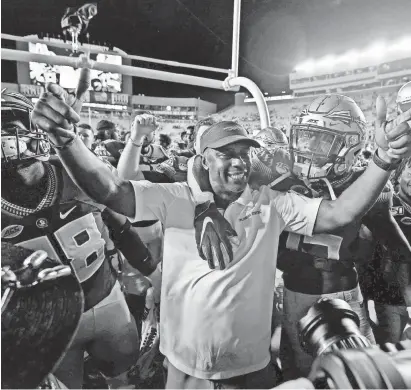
(327, 251)
(69, 227)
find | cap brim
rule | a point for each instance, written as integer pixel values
(232, 139)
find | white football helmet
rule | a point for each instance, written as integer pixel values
(326, 137)
(404, 98)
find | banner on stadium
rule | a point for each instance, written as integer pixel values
(31, 91)
(119, 98)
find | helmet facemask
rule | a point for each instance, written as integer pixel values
(325, 139)
(20, 143)
(319, 152)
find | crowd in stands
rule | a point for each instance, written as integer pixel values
(284, 112)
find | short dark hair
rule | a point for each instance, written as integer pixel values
(85, 126)
(191, 127)
(366, 154)
(104, 124)
(183, 134)
(166, 139)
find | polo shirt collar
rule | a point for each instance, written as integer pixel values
(246, 197)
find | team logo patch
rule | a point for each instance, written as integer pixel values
(42, 223)
(406, 221)
(11, 231)
(281, 168)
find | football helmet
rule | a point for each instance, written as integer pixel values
(272, 159)
(326, 137)
(404, 98)
(271, 137)
(20, 143)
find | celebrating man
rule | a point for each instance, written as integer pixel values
(216, 325)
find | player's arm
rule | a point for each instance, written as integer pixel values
(394, 141)
(96, 179)
(128, 241)
(128, 165)
(55, 112)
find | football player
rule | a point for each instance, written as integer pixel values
(43, 209)
(323, 265)
(323, 146)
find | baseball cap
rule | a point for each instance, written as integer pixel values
(224, 133)
(38, 321)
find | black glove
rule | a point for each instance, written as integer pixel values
(213, 233)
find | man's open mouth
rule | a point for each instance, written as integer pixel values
(238, 176)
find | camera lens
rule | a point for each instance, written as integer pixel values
(369, 368)
(330, 325)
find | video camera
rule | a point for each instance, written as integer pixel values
(345, 359)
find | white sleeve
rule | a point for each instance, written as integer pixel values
(171, 204)
(298, 212)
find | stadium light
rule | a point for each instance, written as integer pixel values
(376, 50)
(350, 57)
(306, 66)
(327, 61)
(404, 44)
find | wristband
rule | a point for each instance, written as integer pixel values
(134, 143)
(380, 163)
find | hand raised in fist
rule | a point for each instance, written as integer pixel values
(393, 136)
(143, 126)
(56, 111)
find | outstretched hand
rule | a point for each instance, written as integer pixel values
(393, 136)
(56, 111)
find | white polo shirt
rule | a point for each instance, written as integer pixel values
(216, 324)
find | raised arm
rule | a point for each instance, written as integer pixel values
(394, 143)
(55, 113)
(128, 165)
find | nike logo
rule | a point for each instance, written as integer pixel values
(64, 215)
(206, 221)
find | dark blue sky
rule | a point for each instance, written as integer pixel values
(275, 34)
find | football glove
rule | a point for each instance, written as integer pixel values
(213, 233)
